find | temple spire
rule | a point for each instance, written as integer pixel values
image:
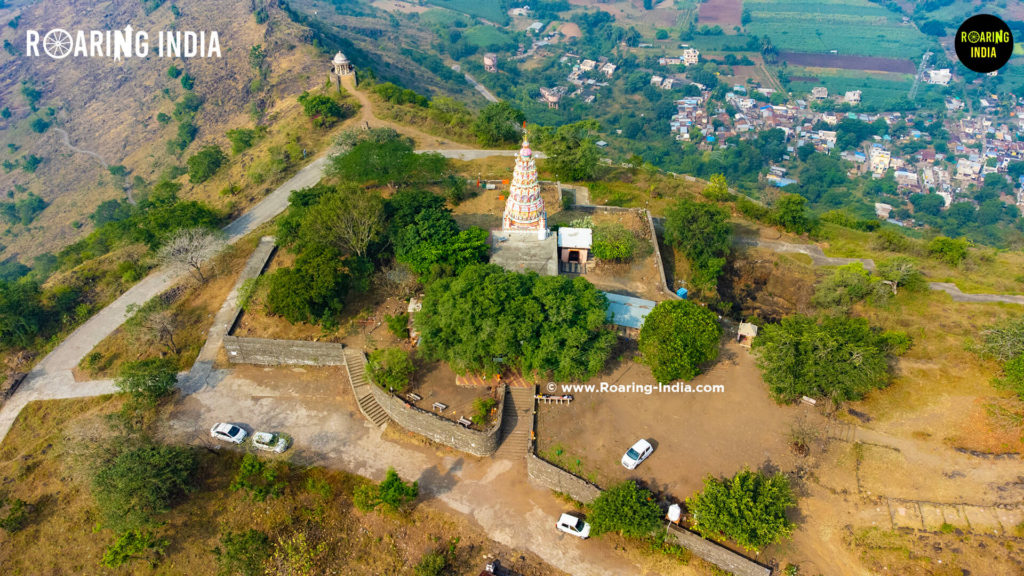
(524, 209)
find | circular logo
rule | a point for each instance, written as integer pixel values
(57, 43)
(983, 43)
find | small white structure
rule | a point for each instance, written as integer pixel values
(819, 92)
(491, 62)
(588, 65)
(690, 56)
(342, 66)
(852, 97)
(574, 245)
(746, 334)
(882, 210)
(940, 77)
(608, 69)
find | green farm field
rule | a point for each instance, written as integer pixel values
(847, 26)
(485, 36)
(488, 10)
(876, 87)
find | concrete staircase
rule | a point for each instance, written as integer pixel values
(516, 423)
(355, 363)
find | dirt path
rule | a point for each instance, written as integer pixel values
(366, 117)
(958, 296)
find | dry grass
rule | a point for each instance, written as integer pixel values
(40, 456)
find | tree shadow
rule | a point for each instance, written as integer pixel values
(433, 482)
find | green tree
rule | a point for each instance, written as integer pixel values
(790, 212)
(242, 138)
(498, 123)
(703, 233)
(392, 494)
(486, 320)
(148, 381)
(572, 152)
(392, 162)
(848, 285)
(205, 163)
(432, 245)
(323, 110)
(901, 272)
(949, 250)
(717, 189)
(835, 358)
(242, 553)
(135, 482)
(313, 289)
(346, 218)
(390, 368)
(749, 508)
(677, 337)
(625, 508)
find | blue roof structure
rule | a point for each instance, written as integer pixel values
(627, 311)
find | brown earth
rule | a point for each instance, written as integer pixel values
(849, 62)
(725, 13)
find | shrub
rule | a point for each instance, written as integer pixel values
(677, 337)
(205, 163)
(848, 285)
(16, 517)
(949, 250)
(148, 381)
(138, 482)
(392, 494)
(432, 564)
(242, 138)
(258, 478)
(242, 553)
(391, 368)
(323, 110)
(398, 324)
(134, 544)
(482, 410)
(702, 232)
(614, 242)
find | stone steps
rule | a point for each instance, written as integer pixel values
(355, 364)
(516, 423)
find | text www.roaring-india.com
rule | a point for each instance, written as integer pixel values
(634, 388)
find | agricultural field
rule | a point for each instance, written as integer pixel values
(846, 26)
(724, 13)
(490, 11)
(877, 87)
(489, 37)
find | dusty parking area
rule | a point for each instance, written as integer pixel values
(694, 434)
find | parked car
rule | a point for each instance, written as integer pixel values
(571, 524)
(271, 441)
(637, 454)
(228, 432)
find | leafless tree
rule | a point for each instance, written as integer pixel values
(191, 248)
(154, 322)
(350, 219)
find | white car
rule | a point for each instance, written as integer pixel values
(574, 525)
(637, 454)
(271, 441)
(228, 432)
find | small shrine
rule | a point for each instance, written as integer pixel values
(342, 66)
(524, 242)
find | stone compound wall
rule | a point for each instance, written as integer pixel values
(269, 352)
(439, 429)
(546, 475)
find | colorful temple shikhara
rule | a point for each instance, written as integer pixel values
(524, 210)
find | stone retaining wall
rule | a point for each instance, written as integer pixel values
(546, 475)
(657, 257)
(440, 429)
(269, 352)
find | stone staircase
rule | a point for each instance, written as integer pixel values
(516, 423)
(355, 363)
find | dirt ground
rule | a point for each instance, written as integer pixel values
(724, 13)
(694, 434)
(435, 382)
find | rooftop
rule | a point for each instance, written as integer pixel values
(628, 311)
(575, 237)
(523, 251)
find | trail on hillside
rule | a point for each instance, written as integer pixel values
(66, 140)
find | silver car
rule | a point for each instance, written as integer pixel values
(228, 432)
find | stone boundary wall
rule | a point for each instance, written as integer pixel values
(546, 475)
(657, 257)
(717, 554)
(267, 352)
(439, 429)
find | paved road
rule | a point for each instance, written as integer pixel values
(481, 88)
(958, 296)
(813, 250)
(475, 154)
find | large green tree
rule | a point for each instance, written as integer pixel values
(204, 164)
(749, 508)
(313, 289)
(392, 162)
(486, 319)
(835, 358)
(498, 123)
(677, 337)
(571, 149)
(702, 232)
(136, 482)
(626, 509)
(432, 245)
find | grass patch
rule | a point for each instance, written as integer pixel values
(488, 10)
(560, 456)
